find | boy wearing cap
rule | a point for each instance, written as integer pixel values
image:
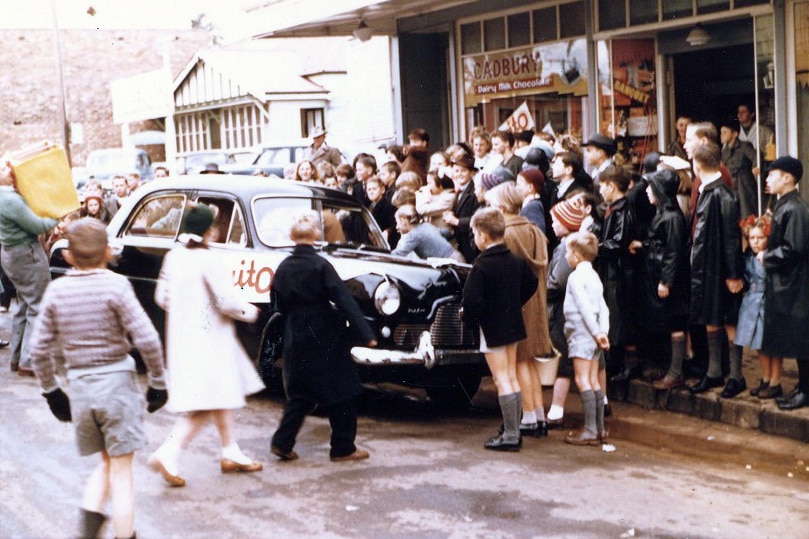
(87, 320)
(466, 204)
(786, 260)
(740, 159)
(600, 150)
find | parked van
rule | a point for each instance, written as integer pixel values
(103, 164)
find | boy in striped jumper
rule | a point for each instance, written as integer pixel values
(85, 324)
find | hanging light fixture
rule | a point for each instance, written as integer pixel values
(698, 36)
(363, 32)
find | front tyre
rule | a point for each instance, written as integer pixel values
(453, 392)
(269, 360)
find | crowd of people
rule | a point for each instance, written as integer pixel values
(620, 271)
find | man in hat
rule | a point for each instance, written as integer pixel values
(319, 151)
(600, 151)
(786, 296)
(466, 204)
(211, 168)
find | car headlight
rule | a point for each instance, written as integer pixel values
(387, 298)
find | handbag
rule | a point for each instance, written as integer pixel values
(44, 179)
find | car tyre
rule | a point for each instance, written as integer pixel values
(454, 393)
(269, 357)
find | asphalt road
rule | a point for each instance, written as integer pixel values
(428, 476)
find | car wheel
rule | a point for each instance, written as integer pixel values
(453, 392)
(269, 357)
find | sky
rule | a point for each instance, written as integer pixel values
(227, 15)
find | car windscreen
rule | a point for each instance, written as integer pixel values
(342, 224)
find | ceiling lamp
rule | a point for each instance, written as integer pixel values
(698, 36)
(362, 32)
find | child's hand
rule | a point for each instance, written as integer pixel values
(59, 404)
(635, 246)
(603, 341)
(734, 285)
(662, 290)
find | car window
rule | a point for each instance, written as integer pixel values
(158, 216)
(274, 156)
(274, 218)
(229, 220)
(340, 223)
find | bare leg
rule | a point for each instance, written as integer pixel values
(776, 366)
(561, 387)
(526, 385)
(123, 497)
(766, 367)
(504, 372)
(97, 490)
(536, 384)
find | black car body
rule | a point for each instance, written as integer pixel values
(411, 305)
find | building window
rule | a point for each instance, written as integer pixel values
(611, 15)
(712, 6)
(676, 9)
(471, 41)
(642, 11)
(519, 30)
(571, 19)
(544, 24)
(311, 118)
(494, 34)
(231, 128)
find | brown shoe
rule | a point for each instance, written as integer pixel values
(156, 465)
(582, 438)
(23, 371)
(359, 454)
(283, 455)
(669, 382)
(231, 466)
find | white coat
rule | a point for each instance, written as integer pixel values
(208, 368)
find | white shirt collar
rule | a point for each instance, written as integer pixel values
(709, 180)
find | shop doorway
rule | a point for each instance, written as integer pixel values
(710, 84)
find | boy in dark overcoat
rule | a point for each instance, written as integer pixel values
(717, 267)
(317, 364)
(786, 260)
(495, 291)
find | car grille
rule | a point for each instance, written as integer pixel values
(446, 331)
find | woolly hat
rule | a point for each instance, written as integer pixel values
(788, 164)
(569, 214)
(197, 220)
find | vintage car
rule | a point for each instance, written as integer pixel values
(411, 305)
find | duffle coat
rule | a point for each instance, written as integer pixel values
(526, 240)
(716, 255)
(208, 368)
(786, 296)
(494, 293)
(317, 342)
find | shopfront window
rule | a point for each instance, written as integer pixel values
(519, 30)
(571, 20)
(801, 18)
(544, 24)
(627, 96)
(527, 87)
(612, 14)
(494, 34)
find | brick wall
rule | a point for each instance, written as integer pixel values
(91, 60)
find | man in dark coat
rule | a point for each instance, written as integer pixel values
(717, 267)
(317, 364)
(786, 296)
(742, 163)
(466, 204)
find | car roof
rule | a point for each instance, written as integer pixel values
(243, 185)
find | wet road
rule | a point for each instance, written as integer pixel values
(428, 476)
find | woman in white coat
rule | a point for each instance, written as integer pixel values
(209, 371)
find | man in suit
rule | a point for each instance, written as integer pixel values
(466, 204)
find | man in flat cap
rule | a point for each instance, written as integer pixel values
(600, 149)
(319, 151)
(786, 295)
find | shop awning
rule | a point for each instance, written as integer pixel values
(307, 18)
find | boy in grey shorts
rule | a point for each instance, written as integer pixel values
(86, 321)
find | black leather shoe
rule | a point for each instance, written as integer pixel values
(733, 388)
(788, 396)
(531, 430)
(706, 383)
(762, 385)
(3, 344)
(500, 443)
(556, 424)
(798, 400)
(693, 369)
(628, 373)
(607, 410)
(543, 429)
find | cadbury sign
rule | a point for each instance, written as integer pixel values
(556, 67)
